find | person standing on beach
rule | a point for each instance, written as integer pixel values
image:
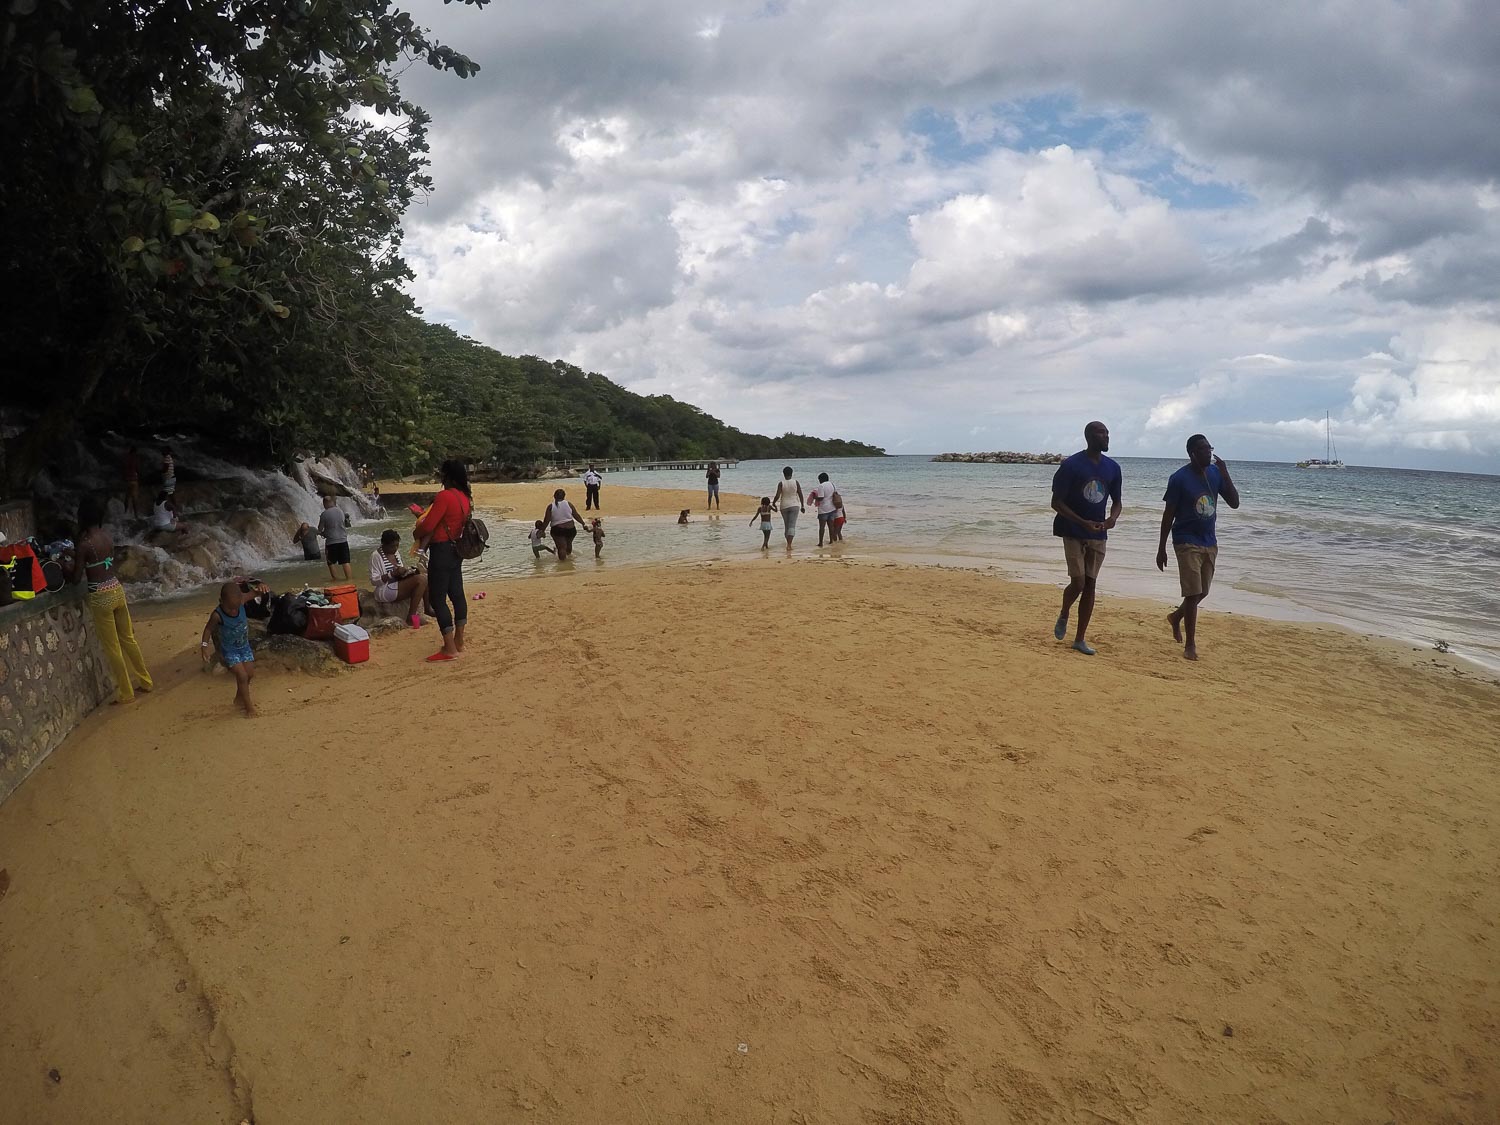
(591, 482)
(786, 488)
(93, 560)
(440, 527)
(1079, 488)
(1191, 508)
(713, 484)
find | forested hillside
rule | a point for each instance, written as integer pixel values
(200, 228)
(514, 409)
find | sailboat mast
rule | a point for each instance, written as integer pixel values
(1328, 436)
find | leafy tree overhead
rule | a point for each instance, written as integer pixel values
(200, 215)
(200, 209)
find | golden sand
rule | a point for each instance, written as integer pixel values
(783, 841)
(529, 499)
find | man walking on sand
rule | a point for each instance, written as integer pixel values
(1079, 488)
(591, 482)
(1191, 500)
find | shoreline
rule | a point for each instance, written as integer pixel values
(514, 501)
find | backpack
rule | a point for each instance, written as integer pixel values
(288, 616)
(472, 539)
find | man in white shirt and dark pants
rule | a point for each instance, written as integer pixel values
(591, 482)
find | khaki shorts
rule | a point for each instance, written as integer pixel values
(1195, 568)
(1085, 556)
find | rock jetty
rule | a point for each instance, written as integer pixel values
(1002, 457)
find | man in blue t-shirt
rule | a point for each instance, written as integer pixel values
(1079, 488)
(1192, 503)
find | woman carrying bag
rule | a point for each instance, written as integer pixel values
(441, 527)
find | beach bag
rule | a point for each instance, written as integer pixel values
(288, 616)
(346, 598)
(26, 577)
(472, 539)
(322, 620)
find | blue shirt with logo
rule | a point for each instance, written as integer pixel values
(1084, 487)
(1196, 500)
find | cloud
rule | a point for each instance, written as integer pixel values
(927, 220)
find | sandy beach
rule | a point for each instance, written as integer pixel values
(529, 499)
(781, 841)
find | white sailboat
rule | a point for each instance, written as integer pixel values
(1330, 458)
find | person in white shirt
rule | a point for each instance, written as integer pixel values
(591, 482)
(790, 502)
(538, 534)
(393, 581)
(827, 509)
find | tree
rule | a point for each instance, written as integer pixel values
(200, 216)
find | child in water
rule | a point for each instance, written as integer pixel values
(764, 515)
(535, 537)
(598, 537)
(228, 629)
(683, 517)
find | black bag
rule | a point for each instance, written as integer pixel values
(288, 616)
(472, 539)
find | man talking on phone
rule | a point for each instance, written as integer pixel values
(1192, 502)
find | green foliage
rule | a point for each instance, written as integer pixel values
(200, 216)
(530, 410)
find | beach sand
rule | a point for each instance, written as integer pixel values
(779, 841)
(529, 499)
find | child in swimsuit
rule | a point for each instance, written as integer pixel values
(598, 537)
(764, 516)
(228, 629)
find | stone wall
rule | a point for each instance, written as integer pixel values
(52, 674)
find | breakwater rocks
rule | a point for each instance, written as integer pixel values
(1002, 457)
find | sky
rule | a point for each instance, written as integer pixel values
(975, 226)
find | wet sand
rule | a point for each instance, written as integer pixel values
(769, 842)
(529, 499)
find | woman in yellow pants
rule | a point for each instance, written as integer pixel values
(95, 559)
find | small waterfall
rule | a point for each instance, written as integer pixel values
(238, 520)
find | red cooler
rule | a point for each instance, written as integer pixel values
(352, 644)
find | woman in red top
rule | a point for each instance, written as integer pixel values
(442, 524)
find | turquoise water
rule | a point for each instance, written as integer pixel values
(1396, 552)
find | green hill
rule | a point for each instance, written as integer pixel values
(484, 405)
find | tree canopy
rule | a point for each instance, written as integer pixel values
(200, 226)
(486, 406)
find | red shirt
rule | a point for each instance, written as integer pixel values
(445, 519)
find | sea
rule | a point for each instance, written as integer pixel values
(1406, 554)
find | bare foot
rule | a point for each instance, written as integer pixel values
(1174, 619)
(1190, 653)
